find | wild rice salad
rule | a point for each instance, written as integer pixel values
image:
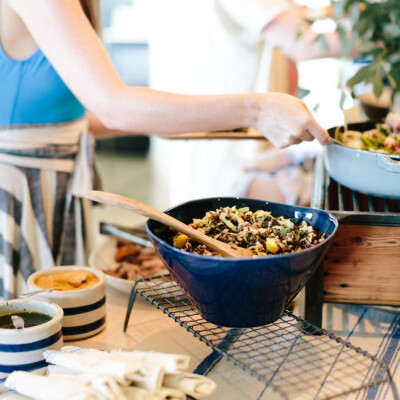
(258, 231)
(384, 138)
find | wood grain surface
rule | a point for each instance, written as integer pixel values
(363, 265)
(231, 135)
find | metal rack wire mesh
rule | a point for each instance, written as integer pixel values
(291, 356)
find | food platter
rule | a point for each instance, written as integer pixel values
(103, 258)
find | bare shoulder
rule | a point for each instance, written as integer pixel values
(16, 39)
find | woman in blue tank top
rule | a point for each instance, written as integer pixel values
(53, 67)
(35, 92)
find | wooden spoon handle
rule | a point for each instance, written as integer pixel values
(150, 212)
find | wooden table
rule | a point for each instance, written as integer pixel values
(149, 329)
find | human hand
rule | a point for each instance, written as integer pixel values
(286, 120)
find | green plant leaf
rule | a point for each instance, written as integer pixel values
(366, 47)
(391, 31)
(359, 77)
(391, 80)
(394, 58)
(321, 39)
(378, 83)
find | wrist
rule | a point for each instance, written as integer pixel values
(250, 110)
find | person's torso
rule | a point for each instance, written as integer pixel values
(208, 47)
(32, 92)
(193, 52)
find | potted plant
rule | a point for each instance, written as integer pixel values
(375, 35)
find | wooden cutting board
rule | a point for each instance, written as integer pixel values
(249, 133)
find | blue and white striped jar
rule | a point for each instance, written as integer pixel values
(22, 349)
(84, 309)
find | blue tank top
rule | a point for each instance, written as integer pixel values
(32, 92)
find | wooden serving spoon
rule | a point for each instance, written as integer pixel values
(225, 249)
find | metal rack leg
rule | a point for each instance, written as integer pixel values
(132, 298)
(313, 297)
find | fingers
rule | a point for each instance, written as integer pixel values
(313, 130)
(306, 135)
(318, 132)
(303, 135)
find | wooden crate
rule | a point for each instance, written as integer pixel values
(363, 265)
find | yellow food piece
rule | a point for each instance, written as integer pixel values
(271, 246)
(180, 241)
(68, 280)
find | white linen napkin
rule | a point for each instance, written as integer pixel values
(136, 393)
(171, 362)
(63, 387)
(171, 394)
(193, 385)
(124, 369)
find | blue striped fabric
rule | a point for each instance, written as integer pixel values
(214, 357)
(23, 204)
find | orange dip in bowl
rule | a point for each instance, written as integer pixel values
(67, 280)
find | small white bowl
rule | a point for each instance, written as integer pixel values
(22, 349)
(103, 258)
(84, 309)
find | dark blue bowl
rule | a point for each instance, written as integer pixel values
(241, 292)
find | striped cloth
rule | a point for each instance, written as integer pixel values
(369, 328)
(43, 220)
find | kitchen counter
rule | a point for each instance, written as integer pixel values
(149, 329)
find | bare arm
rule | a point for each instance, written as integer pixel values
(282, 33)
(62, 31)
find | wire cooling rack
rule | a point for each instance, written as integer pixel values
(290, 356)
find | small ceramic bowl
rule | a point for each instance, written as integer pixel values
(22, 349)
(84, 309)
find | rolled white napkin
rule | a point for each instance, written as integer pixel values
(193, 385)
(171, 362)
(55, 369)
(167, 393)
(124, 369)
(104, 384)
(13, 396)
(136, 393)
(60, 387)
